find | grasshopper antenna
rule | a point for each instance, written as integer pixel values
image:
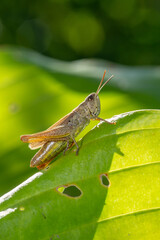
(100, 87)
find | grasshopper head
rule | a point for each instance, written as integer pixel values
(93, 104)
(93, 101)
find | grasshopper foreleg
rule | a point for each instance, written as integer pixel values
(104, 120)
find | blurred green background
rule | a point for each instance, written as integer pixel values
(36, 89)
(126, 32)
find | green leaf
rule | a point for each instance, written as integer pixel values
(129, 208)
(36, 91)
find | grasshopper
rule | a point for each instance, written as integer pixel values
(61, 135)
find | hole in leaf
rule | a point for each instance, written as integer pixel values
(105, 180)
(70, 191)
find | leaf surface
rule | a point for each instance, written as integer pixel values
(128, 209)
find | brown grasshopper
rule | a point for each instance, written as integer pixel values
(61, 135)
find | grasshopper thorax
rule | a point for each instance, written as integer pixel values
(93, 104)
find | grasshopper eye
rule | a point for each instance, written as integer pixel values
(90, 98)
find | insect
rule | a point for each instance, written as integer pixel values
(61, 135)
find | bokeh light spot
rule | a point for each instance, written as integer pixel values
(83, 33)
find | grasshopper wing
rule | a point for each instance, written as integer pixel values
(56, 134)
(60, 131)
